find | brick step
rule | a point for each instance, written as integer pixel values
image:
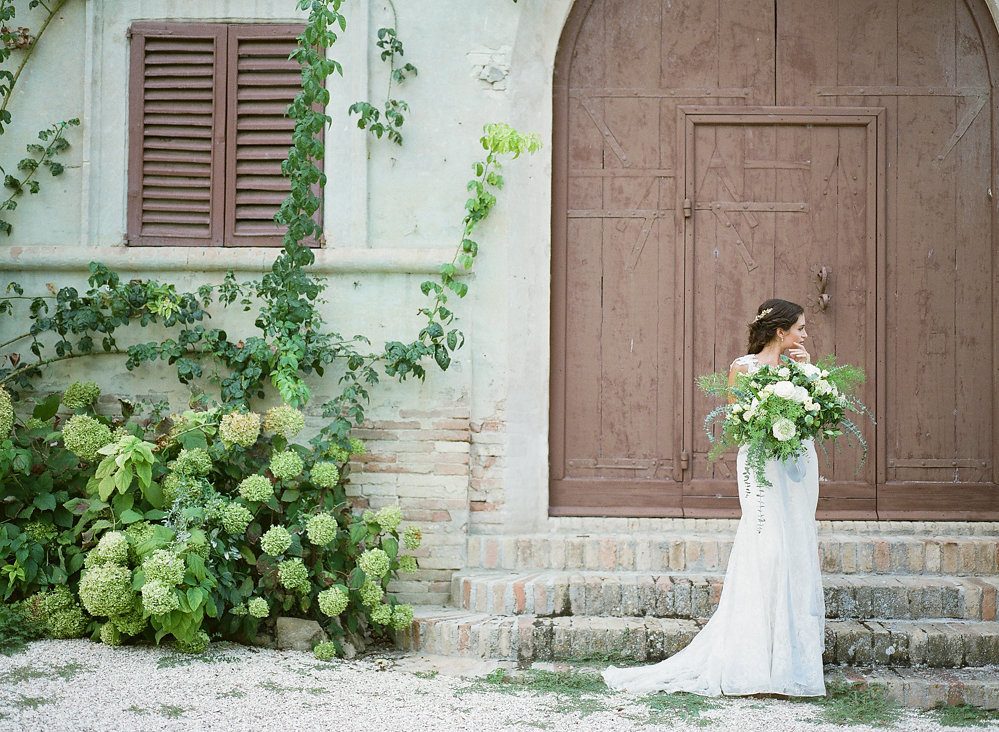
(694, 595)
(527, 638)
(839, 553)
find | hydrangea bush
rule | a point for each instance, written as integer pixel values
(203, 523)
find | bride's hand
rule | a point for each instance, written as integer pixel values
(798, 353)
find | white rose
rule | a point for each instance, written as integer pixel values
(809, 369)
(800, 394)
(824, 373)
(811, 406)
(784, 372)
(784, 429)
(737, 407)
(784, 389)
(747, 416)
(821, 386)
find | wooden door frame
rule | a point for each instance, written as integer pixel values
(873, 119)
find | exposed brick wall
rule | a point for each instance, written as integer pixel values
(485, 494)
(420, 461)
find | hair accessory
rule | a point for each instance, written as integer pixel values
(762, 315)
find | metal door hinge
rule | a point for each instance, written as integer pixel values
(684, 461)
(687, 208)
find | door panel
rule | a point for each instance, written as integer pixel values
(776, 195)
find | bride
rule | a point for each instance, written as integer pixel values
(766, 637)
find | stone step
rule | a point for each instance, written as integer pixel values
(925, 688)
(527, 638)
(839, 553)
(694, 595)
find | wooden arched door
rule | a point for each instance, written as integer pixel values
(710, 155)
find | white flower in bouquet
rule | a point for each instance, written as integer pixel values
(822, 387)
(784, 389)
(801, 394)
(784, 429)
(809, 369)
(810, 405)
(784, 372)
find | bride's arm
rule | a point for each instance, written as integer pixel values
(733, 372)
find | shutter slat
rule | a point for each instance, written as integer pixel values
(167, 192)
(263, 82)
(163, 217)
(173, 204)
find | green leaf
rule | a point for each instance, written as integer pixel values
(47, 408)
(358, 532)
(45, 501)
(197, 566)
(154, 494)
(75, 562)
(391, 546)
(195, 596)
(122, 503)
(106, 487)
(248, 556)
(145, 473)
(130, 516)
(155, 514)
(356, 579)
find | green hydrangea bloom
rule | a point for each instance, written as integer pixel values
(325, 651)
(321, 529)
(333, 601)
(337, 454)
(407, 563)
(257, 607)
(389, 517)
(58, 598)
(325, 475)
(381, 614)
(356, 446)
(238, 610)
(130, 623)
(138, 533)
(275, 541)
(58, 612)
(170, 485)
(374, 563)
(284, 420)
(369, 517)
(111, 549)
(81, 394)
(40, 531)
(159, 598)
(371, 593)
(69, 623)
(195, 462)
(84, 436)
(107, 590)
(286, 465)
(164, 566)
(110, 635)
(33, 423)
(239, 428)
(412, 538)
(198, 644)
(256, 488)
(235, 518)
(402, 617)
(197, 546)
(293, 575)
(6, 414)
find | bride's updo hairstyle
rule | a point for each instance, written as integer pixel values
(773, 314)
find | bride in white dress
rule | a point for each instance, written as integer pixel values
(767, 635)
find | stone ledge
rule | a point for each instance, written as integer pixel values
(527, 638)
(695, 595)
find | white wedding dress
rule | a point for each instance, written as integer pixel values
(767, 635)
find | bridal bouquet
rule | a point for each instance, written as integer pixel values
(776, 409)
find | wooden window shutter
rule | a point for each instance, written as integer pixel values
(262, 83)
(176, 134)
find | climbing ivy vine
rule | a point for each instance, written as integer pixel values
(292, 338)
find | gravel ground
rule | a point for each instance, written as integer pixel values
(80, 685)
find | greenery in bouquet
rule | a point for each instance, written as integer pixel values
(774, 411)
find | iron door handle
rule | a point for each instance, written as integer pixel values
(824, 298)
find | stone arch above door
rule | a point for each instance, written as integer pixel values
(653, 276)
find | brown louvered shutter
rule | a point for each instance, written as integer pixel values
(176, 134)
(263, 81)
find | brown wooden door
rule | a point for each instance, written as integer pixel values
(638, 293)
(779, 202)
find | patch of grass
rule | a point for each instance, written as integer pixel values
(234, 693)
(177, 660)
(667, 708)
(137, 709)
(848, 704)
(65, 671)
(276, 687)
(16, 628)
(30, 702)
(170, 711)
(574, 692)
(426, 674)
(963, 715)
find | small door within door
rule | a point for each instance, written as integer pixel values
(779, 202)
